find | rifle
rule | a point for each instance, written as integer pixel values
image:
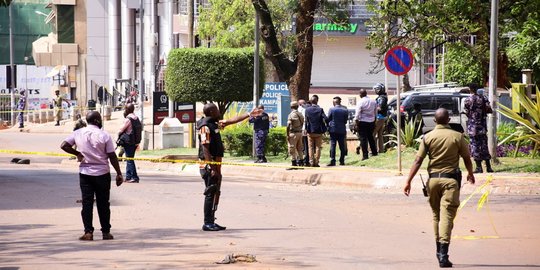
(217, 193)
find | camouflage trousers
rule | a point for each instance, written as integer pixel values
(479, 147)
(260, 141)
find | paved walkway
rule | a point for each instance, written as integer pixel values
(350, 176)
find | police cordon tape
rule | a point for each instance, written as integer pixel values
(267, 165)
(193, 161)
(484, 200)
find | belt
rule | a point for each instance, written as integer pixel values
(443, 175)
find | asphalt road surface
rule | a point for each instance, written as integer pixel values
(157, 225)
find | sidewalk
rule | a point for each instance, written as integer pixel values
(346, 176)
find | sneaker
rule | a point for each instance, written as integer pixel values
(132, 181)
(107, 236)
(88, 236)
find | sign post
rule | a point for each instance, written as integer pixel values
(398, 61)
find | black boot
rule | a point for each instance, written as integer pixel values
(438, 249)
(488, 166)
(478, 166)
(443, 256)
(259, 159)
(294, 163)
(57, 123)
(263, 159)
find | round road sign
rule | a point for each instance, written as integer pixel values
(398, 60)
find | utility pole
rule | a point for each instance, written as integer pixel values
(11, 60)
(191, 19)
(492, 119)
(255, 73)
(141, 59)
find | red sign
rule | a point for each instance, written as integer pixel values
(398, 60)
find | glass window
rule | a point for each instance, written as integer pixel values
(66, 24)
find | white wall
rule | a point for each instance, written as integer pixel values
(97, 61)
(344, 62)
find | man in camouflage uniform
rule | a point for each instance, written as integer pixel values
(21, 106)
(476, 108)
(261, 124)
(58, 102)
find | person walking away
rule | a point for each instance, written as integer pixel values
(477, 108)
(364, 119)
(295, 122)
(211, 152)
(337, 127)
(131, 127)
(382, 115)
(302, 105)
(21, 106)
(261, 124)
(95, 150)
(444, 147)
(315, 123)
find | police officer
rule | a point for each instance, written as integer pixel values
(261, 124)
(211, 150)
(58, 102)
(382, 115)
(444, 146)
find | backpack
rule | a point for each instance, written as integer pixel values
(136, 131)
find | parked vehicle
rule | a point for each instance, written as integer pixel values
(432, 97)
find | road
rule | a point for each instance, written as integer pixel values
(156, 225)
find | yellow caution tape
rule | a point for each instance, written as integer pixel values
(483, 201)
(192, 161)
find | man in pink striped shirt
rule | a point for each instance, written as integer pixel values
(94, 151)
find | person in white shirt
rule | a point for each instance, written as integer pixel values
(364, 120)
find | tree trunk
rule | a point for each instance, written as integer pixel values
(301, 81)
(502, 70)
(296, 74)
(285, 68)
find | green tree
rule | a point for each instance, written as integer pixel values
(210, 75)
(460, 66)
(524, 47)
(417, 24)
(228, 23)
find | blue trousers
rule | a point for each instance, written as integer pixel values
(131, 169)
(260, 140)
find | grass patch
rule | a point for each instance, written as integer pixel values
(384, 161)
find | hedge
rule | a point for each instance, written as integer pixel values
(211, 74)
(238, 140)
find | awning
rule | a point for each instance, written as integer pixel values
(55, 71)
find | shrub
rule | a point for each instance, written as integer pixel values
(219, 75)
(276, 143)
(238, 140)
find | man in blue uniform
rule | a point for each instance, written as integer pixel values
(261, 124)
(337, 122)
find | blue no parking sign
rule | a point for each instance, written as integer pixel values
(398, 60)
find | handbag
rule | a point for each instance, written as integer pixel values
(124, 139)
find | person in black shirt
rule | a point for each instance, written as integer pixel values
(211, 154)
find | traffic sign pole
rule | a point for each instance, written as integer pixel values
(398, 61)
(398, 107)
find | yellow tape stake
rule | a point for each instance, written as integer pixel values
(484, 200)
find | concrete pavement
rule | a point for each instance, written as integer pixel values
(349, 176)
